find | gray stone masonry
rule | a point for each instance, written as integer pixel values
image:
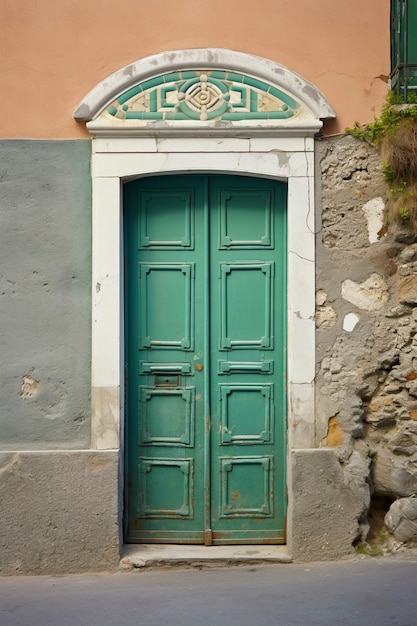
(366, 321)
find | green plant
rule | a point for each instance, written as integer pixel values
(388, 172)
(404, 214)
(397, 189)
(394, 134)
(364, 548)
(387, 123)
(361, 548)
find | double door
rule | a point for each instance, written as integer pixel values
(205, 359)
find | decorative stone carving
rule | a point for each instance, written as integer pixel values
(203, 95)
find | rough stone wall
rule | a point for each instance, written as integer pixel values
(45, 287)
(366, 373)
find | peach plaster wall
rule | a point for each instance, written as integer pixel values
(53, 53)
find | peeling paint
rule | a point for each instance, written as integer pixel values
(105, 409)
(29, 387)
(374, 213)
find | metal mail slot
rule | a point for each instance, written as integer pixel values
(165, 368)
(246, 367)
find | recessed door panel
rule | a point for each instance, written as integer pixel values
(167, 416)
(166, 300)
(245, 304)
(246, 219)
(165, 488)
(166, 219)
(236, 499)
(246, 413)
(205, 357)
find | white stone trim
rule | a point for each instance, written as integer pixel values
(201, 58)
(281, 151)
(301, 126)
(141, 159)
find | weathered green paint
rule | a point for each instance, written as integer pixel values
(403, 47)
(205, 328)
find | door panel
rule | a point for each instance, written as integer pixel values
(166, 287)
(245, 305)
(246, 413)
(247, 360)
(205, 329)
(165, 416)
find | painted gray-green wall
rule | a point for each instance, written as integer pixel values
(45, 287)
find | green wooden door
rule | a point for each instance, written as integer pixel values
(205, 359)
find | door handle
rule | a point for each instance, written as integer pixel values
(199, 367)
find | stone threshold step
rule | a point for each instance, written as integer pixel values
(170, 555)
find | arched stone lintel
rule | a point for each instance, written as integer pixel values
(201, 58)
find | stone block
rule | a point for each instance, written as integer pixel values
(409, 253)
(401, 519)
(407, 290)
(371, 295)
(393, 475)
(325, 314)
(325, 508)
(59, 512)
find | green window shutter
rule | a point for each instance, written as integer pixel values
(404, 47)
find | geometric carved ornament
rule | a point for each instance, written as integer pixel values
(203, 95)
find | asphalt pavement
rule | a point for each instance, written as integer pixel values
(363, 591)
